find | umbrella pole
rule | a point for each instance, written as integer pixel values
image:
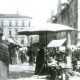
(69, 57)
(46, 51)
(28, 43)
(31, 41)
(46, 42)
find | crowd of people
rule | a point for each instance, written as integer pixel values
(43, 57)
(46, 56)
(18, 55)
(55, 56)
(75, 59)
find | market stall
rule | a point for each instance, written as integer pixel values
(49, 28)
(13, 50)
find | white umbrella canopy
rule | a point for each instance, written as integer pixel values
(45, 28)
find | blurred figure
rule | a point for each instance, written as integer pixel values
(14, 56)
(74, 62)
(22, 56)
(25, 51)
(18, 55)
(10, 52)
(40, 62)
(30, 53)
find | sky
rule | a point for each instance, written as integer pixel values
(39, 10)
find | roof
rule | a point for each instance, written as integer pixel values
(13, 16)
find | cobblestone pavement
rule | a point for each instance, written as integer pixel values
(26, 72)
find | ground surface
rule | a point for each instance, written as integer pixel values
(26, 72)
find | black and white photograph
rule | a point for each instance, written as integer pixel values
(39, 39)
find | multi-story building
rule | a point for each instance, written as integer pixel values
(68, 14)
(12, 23)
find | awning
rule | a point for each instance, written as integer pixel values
(56, 43)
(78, 44)
(11, 40)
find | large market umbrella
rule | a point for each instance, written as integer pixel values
(46, 28)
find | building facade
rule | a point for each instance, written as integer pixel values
(12, 23)
(67, 14)
(78, 20)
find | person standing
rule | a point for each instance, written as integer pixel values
(74, 62)
(40, 62)
(30, 53)
(14, 56)
(22, 56)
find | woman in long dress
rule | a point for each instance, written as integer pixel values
(40, 62)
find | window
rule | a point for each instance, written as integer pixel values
(74, 25)
(10, 23)
(10, 32)
(67, 15)
(29, 23)
(55, 37)
(75, 9)
(58, 35)
(22, 41)
(16, 32)
(71, 10)
(16, 23)
(22, 23)
(1, 23)
(63, 34)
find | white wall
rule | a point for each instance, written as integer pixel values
(14, 27)
(13, 20)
